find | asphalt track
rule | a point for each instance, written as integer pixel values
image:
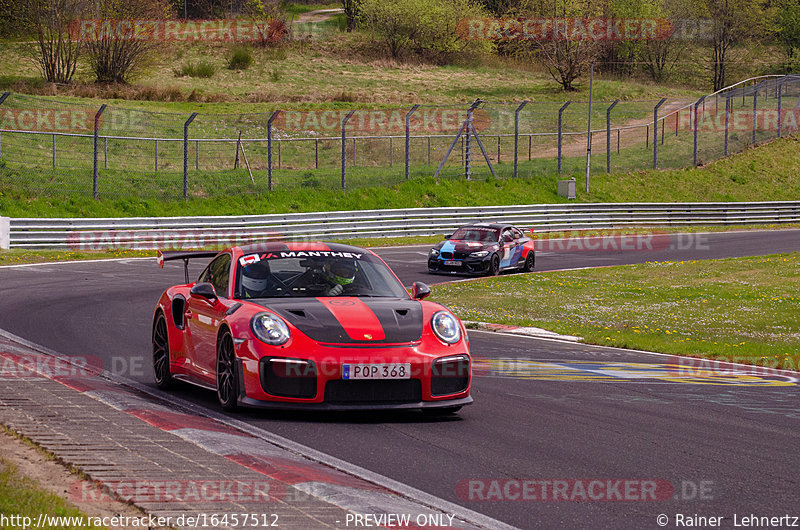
(726, 439)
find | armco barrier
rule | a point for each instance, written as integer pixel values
(188, 232)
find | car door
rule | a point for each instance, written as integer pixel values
(519, 246)
(203, 318)
(507, 248)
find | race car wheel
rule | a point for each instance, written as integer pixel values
(227, 384)
(161, 353)
(494, 266)
(530, 262)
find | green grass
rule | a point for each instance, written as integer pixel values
(24, 256)
(742, 309)
(201, 69)
(769, 172)
(292, 8)
(21, 496)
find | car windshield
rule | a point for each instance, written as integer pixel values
(312, 274)
(476, 233)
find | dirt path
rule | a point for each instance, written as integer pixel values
(320, 15)
(575, 145)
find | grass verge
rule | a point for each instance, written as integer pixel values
(742, 309)
(21, 496)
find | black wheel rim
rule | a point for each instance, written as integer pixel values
(160, 351)
(529, 263)
(495, 265)
(225, 373)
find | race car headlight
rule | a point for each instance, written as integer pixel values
(270, 329)
(480, 254)
(434, 252)
(446, 327)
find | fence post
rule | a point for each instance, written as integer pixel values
(560, 131)
(54, 151)
(655, 132)
(344, 148)
(755, 106)
(727, 117)
(155, 163)
(269, 148)
(608, 135)
(516, 138)
(391, 151)
(197, 154)
(94, 165)
(5, 231)
(186, 155)
(780, 100)
(466, 146)
(408, 138)
(2, 99)
(699, 102)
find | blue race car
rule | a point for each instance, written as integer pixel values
(483, 248)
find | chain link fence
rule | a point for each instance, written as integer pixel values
(62, 148)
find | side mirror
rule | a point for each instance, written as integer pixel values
(204, 290)
(419, 291)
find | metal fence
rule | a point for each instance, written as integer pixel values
(64, 148)
(204, 232)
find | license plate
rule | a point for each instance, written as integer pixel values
(455, 262)
(376, 371)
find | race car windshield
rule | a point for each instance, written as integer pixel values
(485, 235)
(313, 274)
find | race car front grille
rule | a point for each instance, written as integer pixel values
(450, 375)
(373, 391)
(296, 378)
(454, 255)
(447, 255)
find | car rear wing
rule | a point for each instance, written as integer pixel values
(185, 255)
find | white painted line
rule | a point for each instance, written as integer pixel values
(751, 367)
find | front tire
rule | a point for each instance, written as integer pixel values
(494, 266)
(227, 382)
(163, 376)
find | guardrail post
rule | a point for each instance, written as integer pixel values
(186, 155)
(94, 165)
(699, 102)
(516, 139)
(269, 148)
(655, 132)
(5, 231)
(561, 131)
(344, 148)
(408, 138)
(608, 135)
(2, 99)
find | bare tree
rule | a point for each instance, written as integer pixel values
(57, 55)
(115, 55)
(732, 22)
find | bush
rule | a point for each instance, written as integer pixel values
(200, 69)
(422, 25)
(241, 58)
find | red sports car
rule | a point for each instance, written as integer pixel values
(311, 326)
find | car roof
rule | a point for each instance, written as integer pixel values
(277, 246)
(496, 226)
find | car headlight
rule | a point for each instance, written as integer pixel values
(270, 329)
(446, 327)
(434, 252)
(480, 254)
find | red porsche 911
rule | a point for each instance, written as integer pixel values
(311, 326)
